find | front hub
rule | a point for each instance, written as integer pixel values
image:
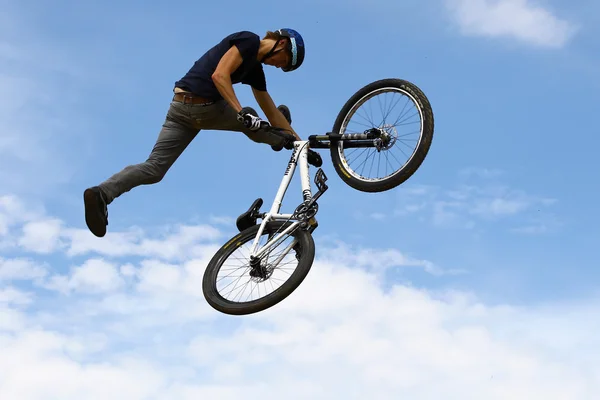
(389, 135)
(259, 272)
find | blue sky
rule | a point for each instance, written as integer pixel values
(487, 248)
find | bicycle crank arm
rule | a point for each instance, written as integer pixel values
(306, 211)
(320, 179)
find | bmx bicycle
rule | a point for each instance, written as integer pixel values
(267, 265)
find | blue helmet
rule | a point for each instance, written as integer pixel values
(295, 47)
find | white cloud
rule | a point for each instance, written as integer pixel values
(36, 365)
(155, 275)
(222, 220)
(41, 236)
(14, 211)
(524, 20)
(11, 320)
(28, 227)
(499, 201)
(10, 295)
(21, 269)
(376, 260)
(466, 205)
(339, 335)
(499, 206)
(542, 224)
(94, 276)
(172, 243)
(484, 173)
(346, 332)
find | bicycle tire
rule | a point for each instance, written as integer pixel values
(419, 154)
(219, 303)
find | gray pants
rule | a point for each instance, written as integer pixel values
(181, 125)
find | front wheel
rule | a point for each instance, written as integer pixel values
(405, 119)
(232, 284)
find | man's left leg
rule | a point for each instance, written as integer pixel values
(228, 121)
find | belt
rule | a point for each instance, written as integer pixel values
(189, 98)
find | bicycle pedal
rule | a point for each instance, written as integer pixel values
(249, 218)
(320, 179)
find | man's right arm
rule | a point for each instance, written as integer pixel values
(230, 61)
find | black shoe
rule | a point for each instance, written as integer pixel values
(314, 158)
(286, 112)
(288, 116)
(96, 211)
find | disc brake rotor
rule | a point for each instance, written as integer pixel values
(390, 136)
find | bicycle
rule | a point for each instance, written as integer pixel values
(301, 223)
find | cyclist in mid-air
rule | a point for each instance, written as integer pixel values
(204, 99)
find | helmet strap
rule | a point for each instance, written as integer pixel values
(272, 51)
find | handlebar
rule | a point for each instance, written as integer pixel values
(313, 157)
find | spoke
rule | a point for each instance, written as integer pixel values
(392, 101)
(391, 108)
(239, 286)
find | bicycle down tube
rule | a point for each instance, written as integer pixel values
(298, 157)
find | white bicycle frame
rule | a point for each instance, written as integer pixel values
(298, 158)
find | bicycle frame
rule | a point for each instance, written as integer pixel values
(297, 159)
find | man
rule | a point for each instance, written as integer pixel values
(205, 99)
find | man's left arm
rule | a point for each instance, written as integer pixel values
(275, 117)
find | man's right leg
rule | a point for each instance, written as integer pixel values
(227, 121)
(176, 134)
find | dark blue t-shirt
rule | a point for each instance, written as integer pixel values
(198, 79)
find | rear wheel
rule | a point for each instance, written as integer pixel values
(234, 285)
(402, 113)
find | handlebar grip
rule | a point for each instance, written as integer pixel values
(287, 137)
